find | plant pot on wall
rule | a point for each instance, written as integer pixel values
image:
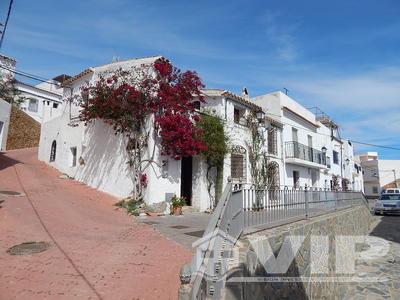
(177, 203)
(177, 210)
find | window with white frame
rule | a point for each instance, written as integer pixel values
(33, 105)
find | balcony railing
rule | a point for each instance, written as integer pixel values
(300, 151)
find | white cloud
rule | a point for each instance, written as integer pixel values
(376, 90)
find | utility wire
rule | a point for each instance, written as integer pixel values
(35, 77)
(6, 23)
(353, 141)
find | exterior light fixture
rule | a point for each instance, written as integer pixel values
(260, 115)
(324, 150)
(347, 161)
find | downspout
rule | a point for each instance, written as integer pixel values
(70, 102)
(283, 157)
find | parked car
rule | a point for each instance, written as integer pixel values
(388, 203)
(391, 191)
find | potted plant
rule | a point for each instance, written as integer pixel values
(177, 203)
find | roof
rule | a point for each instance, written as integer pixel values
(61, 78)
(38, 88)
(301, 117)
(8, 58)
(220, 92)
(92, 69)
(392, 184)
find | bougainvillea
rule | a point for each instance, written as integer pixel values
(126, 99)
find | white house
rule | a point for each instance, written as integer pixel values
(7, 66)
(45, 94)
(5, 110)
(314, 154)
(43, 101)
(378, 173)
(94, 155)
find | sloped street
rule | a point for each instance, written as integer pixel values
(96, 252)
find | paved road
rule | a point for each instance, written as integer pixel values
(386, 268)
(97, 252)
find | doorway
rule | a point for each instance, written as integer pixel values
(187, 178)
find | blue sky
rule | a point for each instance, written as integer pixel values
(342, 56)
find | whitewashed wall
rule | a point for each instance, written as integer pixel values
(5, 111)
(279, 106)
(45, 99)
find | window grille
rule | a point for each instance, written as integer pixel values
(272, 141)
(238, 163)
(53, 151)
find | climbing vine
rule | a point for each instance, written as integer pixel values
(214, 137)
(149, 99)
(260, 169)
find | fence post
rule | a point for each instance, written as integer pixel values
(306, 195)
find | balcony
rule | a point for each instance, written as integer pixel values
(303, 155)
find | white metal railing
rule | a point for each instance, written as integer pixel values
(242, 207)
(271, 207)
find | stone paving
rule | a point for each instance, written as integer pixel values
(387, 268)
(184, 229)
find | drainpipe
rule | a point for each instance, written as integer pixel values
(283, 157)
(70, 103)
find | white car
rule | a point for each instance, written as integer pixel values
(387, 203)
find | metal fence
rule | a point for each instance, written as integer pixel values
(242, 207)
(274, 207)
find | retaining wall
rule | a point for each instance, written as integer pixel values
(353, 221)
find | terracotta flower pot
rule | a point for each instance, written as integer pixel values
(177, 210)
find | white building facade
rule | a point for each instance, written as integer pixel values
(314, 155)
(302, 150)
(94, 155)
(42, 101)
(378, 173)
(7, 65)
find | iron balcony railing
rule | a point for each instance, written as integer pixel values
(300, 151)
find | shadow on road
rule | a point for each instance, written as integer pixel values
(6, 162)
(388, 228)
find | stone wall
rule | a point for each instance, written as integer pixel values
(23, 132)
(353, 221)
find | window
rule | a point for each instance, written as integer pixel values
(328, 162)
(295, 137)
(196, 105)
(296, 179)
(53, 151)
(33, 105)
(238, 163)
(375, 190)
(238, 115)
(73, 156)
(335, 157)
(273, 175)
(272, 141)
(55, 105)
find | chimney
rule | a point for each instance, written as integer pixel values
(245, 94)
